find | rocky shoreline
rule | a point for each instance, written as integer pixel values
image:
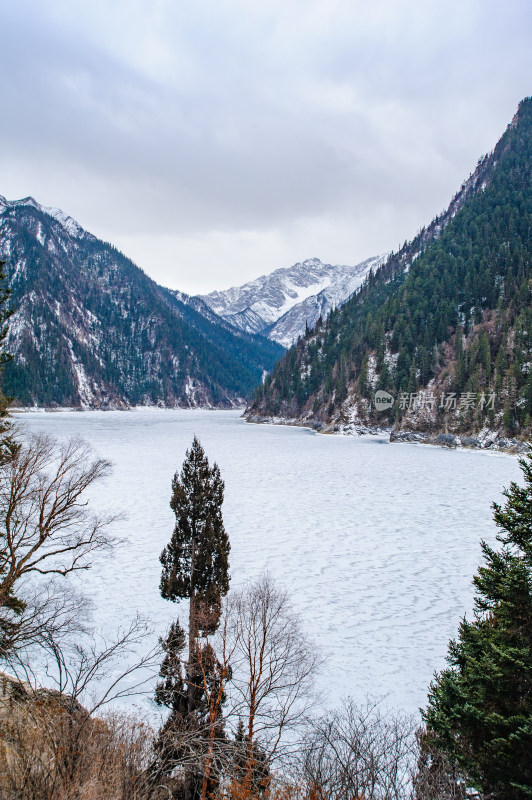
(472, 442)
(485, 440)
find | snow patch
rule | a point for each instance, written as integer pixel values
(86, 395)
(280, 305)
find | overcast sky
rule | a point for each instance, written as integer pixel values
(215, 140)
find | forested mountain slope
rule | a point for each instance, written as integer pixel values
(445, 326)
(91, 329)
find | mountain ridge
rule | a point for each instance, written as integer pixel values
(450, 313)
(281, 304)
(91, 329)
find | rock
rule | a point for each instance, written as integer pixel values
(406, 436)
(470, 441)
(523, 447)
(447, 440)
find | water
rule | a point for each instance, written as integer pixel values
(376, 542)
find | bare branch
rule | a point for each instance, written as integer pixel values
(46, 525)
(274, 666)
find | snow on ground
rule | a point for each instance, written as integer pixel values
(377, 542)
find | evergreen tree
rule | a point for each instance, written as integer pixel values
(480, 708)
(196, 561)
(246, 783)
(195, 567)
(461, 288)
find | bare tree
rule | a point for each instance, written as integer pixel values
(214, 671)
(359, 751)
(47, 528)
(437, 776)
(57, 745)
(256, 673)
(36, 754)
(195, 744)
(274, 665)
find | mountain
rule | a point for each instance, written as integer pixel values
(443, 327)
(281, 305)
(91, 329)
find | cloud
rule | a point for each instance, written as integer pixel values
(212, 139)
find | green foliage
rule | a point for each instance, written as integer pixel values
(195, 567)
(171, 691)
(196, 560)
(480, 708)
(467, 292)
(131, 336)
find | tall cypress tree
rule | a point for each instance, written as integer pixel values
(480, 708)
(196, 560)
(195, 568)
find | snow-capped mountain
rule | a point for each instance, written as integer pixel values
(91, 329)
(280, 304)
(70, 225)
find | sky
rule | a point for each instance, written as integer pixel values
(213, 141)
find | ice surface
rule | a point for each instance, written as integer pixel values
(377, 542)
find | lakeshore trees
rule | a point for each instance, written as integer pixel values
(480, 708)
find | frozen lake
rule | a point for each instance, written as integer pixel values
(377, 542)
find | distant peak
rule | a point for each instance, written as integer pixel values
(27, 201)
(68, 223)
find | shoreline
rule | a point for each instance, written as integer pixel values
(105, 410)
(485, 442)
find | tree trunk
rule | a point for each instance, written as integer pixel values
(192, 636)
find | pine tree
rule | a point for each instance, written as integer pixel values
(246, 783)
(480, 708)
(195, 567)
(196, 561)
(171, 692)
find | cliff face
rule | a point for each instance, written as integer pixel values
(444, 327)
(90, 329)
